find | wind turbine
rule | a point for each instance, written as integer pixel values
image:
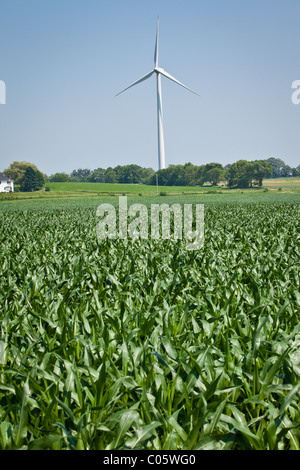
(159, 71)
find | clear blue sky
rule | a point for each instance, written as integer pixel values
(64, 60)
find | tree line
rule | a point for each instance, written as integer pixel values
(241, 174)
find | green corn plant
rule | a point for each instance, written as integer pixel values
(122, 344)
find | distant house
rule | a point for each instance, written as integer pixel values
(6, 184)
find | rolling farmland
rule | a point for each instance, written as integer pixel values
(121, 344)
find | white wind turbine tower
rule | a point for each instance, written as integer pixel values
(159, 71)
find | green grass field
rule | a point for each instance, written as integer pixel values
(276, 183)
(68, 190)
(121, 344)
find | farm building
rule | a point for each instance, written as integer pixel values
(6, 184)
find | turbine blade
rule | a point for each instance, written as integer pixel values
(156, 44)
(138, 81)
(167, 75)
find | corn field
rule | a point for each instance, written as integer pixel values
(121, 344)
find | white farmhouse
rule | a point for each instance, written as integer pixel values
(6, 184)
